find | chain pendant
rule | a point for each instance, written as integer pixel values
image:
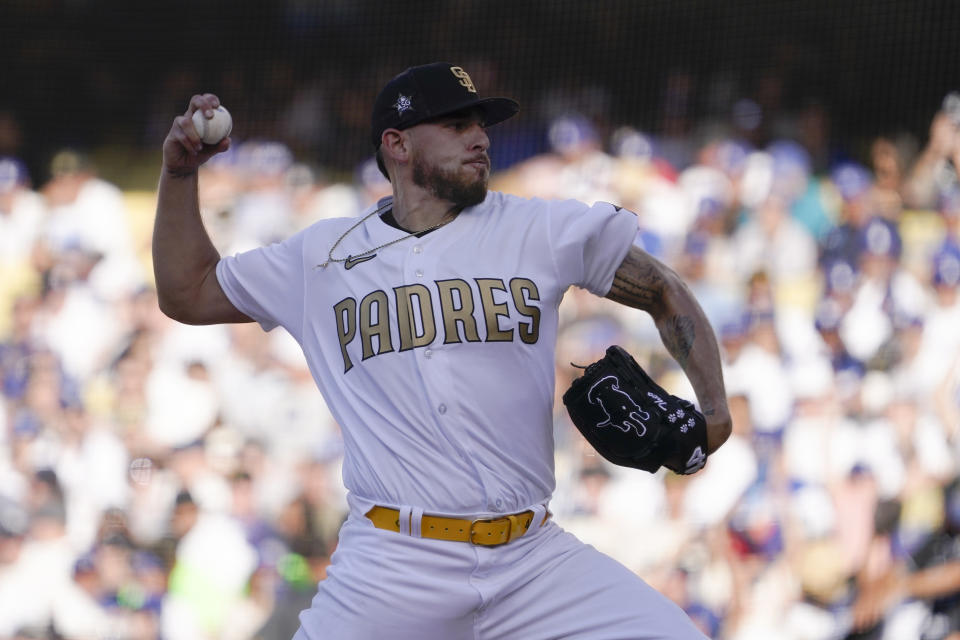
(350, 260)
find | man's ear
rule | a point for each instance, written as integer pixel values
(395, 145)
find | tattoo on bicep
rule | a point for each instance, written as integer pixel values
(678, 337)
(637, 283)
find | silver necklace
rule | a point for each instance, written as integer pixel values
(370, 253)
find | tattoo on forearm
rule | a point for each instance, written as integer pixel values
(640, 282)
(678, 337)
(637, 284)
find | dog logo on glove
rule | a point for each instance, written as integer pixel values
(621, 410)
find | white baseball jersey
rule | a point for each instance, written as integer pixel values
(436, 355)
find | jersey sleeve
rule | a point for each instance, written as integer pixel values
(590, 242)
(267, 284)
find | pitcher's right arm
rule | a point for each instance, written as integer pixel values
(184, 258)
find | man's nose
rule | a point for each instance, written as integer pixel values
(479, 138)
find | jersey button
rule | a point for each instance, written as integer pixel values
(442, 409)
(418, 249)
(418, 273)
(428, 353)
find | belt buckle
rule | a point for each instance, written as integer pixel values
(485, 543)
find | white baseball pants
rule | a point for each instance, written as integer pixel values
(546, 585)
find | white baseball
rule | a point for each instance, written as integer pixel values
(213, 130)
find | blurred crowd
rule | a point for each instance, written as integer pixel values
(165, 481)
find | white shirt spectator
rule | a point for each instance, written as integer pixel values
(763, 378)
(96, 220)
(181, 407)
(820, 448)
(80, 312)
(880, 452)
(940, 343)
(21, 218)
(773, 242)
(714, 491)
(28, 586)
(94, 477)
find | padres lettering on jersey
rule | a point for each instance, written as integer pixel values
(462, 313)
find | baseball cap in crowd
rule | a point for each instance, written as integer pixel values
(571, 132)
(12, 173)
(828, 315)
(732, 156)
(946, 267)
(840, 276)
(880, 237)
(430, 91)
(68, 162)
(627, 142)
(852, 180)
(264, 157)
(791, 169)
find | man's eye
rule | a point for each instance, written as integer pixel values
(463, 125)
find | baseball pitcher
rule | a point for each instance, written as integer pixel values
(429, 324)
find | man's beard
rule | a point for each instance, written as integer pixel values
(448, 185)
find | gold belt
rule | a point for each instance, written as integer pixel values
(488, 532)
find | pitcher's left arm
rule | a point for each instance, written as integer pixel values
(645, 283)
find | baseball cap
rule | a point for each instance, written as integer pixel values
(880, 237)
(828, 315)
(264, 156)
(789, 158)
(12, 173)
(430, 91)
(569, 132)
(67, 162)
(852, 180)
(946, 267)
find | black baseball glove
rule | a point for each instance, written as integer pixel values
(631, 421)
